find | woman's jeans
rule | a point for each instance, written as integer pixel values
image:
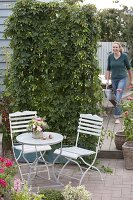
(118, 86)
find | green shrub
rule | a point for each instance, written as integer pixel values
(24, 193)
(52, 194)
(54, 68)
(76, 193)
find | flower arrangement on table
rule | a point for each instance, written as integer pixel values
(7, 173)
(38, 125)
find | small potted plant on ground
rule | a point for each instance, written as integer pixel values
(128, 131)
(119, 139)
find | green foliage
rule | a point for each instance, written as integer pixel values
(106, 169)
(4, 124)
(128, 120)
(7, 173)
(128, 18)
(25, 194)
(117, 25)
(52, 194)
(113, 25)
(75, 193)
(54, 68)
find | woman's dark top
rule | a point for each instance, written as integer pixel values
(118, 67)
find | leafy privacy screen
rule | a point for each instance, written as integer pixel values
(54, 68)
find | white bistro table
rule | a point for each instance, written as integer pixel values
(26, 139)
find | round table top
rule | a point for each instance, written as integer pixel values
(26, 138)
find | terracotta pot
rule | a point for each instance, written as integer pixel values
(127, 149)
(119, 139)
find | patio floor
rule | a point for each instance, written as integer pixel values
(117, 185)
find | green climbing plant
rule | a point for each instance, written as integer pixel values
(54, 68)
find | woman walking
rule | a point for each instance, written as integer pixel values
(117, 68)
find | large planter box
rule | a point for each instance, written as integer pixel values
(127, 148)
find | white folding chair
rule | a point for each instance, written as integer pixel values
(89, 125)
(18, 125)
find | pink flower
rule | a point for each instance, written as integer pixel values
(3, 182)
(38, 119)
(17, 184)
(9, 163)
(126, 113)
(130, 98)
(1, 170)
(130, 86)
(2, 159)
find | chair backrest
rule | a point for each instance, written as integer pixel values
(90, 125)
(19, 122)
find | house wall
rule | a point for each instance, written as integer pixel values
(5, 11)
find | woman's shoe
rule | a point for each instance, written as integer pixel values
(117, 121)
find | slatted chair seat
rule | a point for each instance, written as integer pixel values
(89, 125)
(32, 149)
(74, 152)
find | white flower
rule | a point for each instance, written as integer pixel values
(34, 126)
(39, 128)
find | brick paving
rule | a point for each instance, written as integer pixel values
(117, 185)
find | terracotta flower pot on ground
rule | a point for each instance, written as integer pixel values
(120, 139)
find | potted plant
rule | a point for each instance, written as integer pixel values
(127, 147)
(119, 139)
(37, 126)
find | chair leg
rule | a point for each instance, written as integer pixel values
(62, 169)
(78, 165)
(89, 167)
(19, 168)
(98, 171)
(70, 160)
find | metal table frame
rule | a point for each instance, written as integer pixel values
(26, 139)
